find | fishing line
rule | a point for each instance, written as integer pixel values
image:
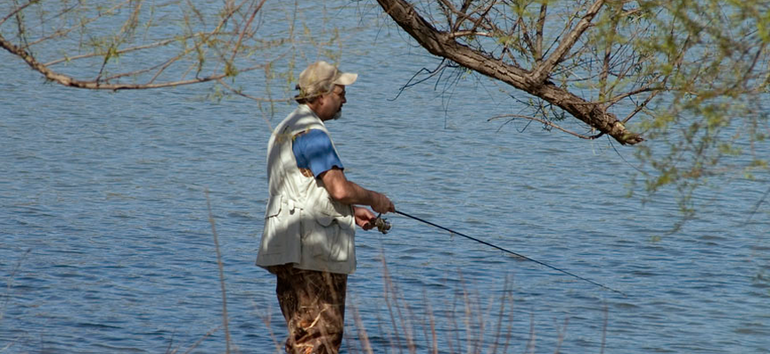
(508, 251)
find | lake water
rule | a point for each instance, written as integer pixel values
(106, 245)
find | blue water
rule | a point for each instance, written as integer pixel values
(106, 244)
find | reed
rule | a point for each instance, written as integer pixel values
(7, 296)
(405, 332)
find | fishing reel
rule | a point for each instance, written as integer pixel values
(382, 224)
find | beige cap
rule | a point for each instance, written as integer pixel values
(320, 77)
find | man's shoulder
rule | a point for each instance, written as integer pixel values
(313, 139)
(302, 118)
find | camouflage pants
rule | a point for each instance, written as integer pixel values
(313, 304)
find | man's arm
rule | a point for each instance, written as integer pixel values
(347, 192)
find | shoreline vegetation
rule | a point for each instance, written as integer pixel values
(475, 324)
(404, 332)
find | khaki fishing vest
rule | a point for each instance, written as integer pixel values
(303, 224)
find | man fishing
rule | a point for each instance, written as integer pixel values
(308, 239)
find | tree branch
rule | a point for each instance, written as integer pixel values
(119, 52)
(512, 117)
(91, 84)
(541, 72)
(245, 28)
(539, 33)
(458, 34)
(17, 10)
(442, 44)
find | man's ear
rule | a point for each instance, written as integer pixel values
(323, 98)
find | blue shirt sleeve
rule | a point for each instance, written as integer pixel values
(314, 151)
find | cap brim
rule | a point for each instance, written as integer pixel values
(346, 79)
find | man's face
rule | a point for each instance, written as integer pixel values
(332, 103)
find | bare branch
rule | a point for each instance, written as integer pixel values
(120, 52)
(240, 92)
(639, 107)
(17, 11)
(458, 34)
(512, 117)
(539, 33)
(525, 35)
(245, 28)
(541, 72)
(93, 84)
(444, 45)
(448, 8)
(81, 23)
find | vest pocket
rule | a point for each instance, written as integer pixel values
(273, 206)
(324, 238)
(281, 235)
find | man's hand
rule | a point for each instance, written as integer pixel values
(364, 218)
(381, 203)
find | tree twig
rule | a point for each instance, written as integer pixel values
(17, 10)
(511, 117)
(541, 72)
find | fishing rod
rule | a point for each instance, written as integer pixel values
(508, 251)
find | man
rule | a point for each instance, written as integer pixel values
(308, 240)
